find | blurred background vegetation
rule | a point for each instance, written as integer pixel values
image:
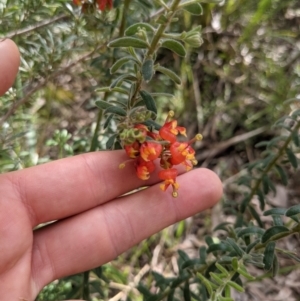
(235, 86)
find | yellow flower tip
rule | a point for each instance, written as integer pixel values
(198, 137)
(174, 194)
(194, 162)
(122, 165)
(171, 114)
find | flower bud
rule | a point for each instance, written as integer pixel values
(193, 38)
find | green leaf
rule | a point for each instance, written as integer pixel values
(275, 211)
(118, 81)
(175, 46)
(202, 254)
(144, 290)
(128, 42)
(293, 210)
(271, 232)
(216, 278)
(102, 104)
(296, 140)
(251, 231)
(193, 8)
(252, 245)
(222, 269)
(108, 120)
(149, 101)
(133, 29)
(186, 292)
(261, 199)
(277, 220)
(292, 158)
(222, 226)
(115, 110)
(172, 75)
(152, 124)
(120, 62)
(236, 286)
(235, 263)
(111, 141)
(256, 216)
(218, 247)
(183, 255)
(282, 174)
(275, 266)
(147, 70)
(234, 245)
(109, 89)
(206, 283)
(242, 271)
(269, 254)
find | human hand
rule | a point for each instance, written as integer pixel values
(93, 223)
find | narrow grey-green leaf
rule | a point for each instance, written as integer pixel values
(133, 29)
(234, 245)
(149, 101)
(292, 158)
(206, 283)
(109, 89)
(269, 254)
(251, 231)
(120, 62)
(147, 70)
(261, 199)
(115, 110)
(275, 230)
(282, 174)
(276, 211)
(219, 247)
(242, 270)
(293, 210)
(111, 141)
(175, 46)
(275, 266)
(102, 104)
(193, 8)
(255, 215)
(235, 286)
(172, 75)
(277, 220)
(128, 42)
(186, 292)
(118, 81)
(108, 120)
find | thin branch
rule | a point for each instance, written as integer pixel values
(219, 147)
(36, 26)
(43, 82)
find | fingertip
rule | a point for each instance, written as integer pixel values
(9, 64)
(199, 190)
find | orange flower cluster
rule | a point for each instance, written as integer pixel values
(146, 146)
(102, 4)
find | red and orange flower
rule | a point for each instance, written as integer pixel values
(102, 4)
(149, 146)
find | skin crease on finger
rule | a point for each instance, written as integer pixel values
(10, 60)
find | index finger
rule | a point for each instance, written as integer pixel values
(9, 64)
(69, 186)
